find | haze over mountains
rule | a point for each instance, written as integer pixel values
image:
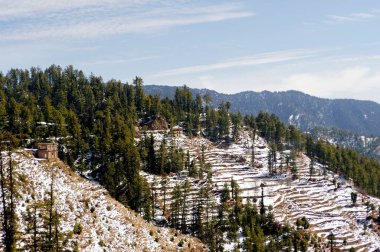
(294, 107)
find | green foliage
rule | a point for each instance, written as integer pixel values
(354, 197)
(101, 243)
(302, 222)
(77, 229)
(95, 122)
(180, 243)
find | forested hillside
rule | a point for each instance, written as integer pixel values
(49, 207)
(367, 145)
(296, 108)
(100, 128)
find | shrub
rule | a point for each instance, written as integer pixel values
(180, 243)
(70, 234)
(101, 243)
(77, 229)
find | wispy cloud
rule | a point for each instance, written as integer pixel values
(95, 18)
(12, 10)
(258, 59)
(353, 17)
(118, 61)
(356, 81)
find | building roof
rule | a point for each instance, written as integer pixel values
(177, 127)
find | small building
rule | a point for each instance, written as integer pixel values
(47, 150)
(182, 174)
(177, 131)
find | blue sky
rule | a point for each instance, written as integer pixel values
(327, 48)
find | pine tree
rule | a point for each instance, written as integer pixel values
(164, 183)
(236, 121)
(52, 236)
(34, 220)
(198, 215)
(193, 171)
(139, 94)
(354, 197)
(202, 162)
(9, 197)
(176, 206)
(225, 193)
(152, 162)
(270, 163)
(253, 148)
(153, 189)
(262, 206)
(3, 111)
(162, 157)
(311, 167)
(331, 238)
(294, 169)
(185, 193)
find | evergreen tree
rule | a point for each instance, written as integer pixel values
(253, 148)
(185, 193)
(331, 238)
(311, 167)
(151, 164)
(193, 171)
(3, 111)
(176, 206)
(9, 197)
(354, 197)
(164, 183)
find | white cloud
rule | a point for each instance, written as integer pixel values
(258, 59)
(360, 82)
(93, 18)
(359, 16)
(318, 76)
(26, 8)
(117, 61)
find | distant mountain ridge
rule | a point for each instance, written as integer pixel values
(294, 107)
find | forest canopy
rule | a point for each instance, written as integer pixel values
(96, 124)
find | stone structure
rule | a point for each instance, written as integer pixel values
(47, 150)
(177, 131)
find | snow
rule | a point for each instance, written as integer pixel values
(77, 200)
(327, 208)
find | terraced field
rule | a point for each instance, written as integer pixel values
(324, 198)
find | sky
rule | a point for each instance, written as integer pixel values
(326, 48)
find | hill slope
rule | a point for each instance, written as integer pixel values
(106, 224)
(324, 197)
(297, 108)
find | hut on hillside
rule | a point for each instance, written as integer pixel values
(177, 131)
(47, 150)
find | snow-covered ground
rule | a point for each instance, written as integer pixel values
(328, 209)
(107, 224)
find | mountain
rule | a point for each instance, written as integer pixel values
(102, 129)
(297, 108)
(367, 145)
(90, 219)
